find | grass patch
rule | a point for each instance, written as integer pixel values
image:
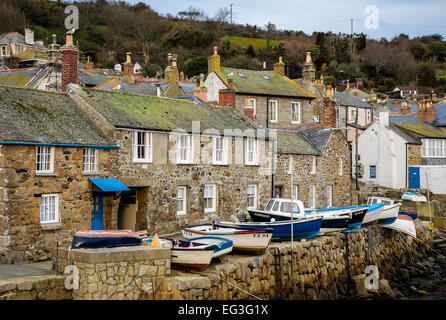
(255, 43)
(441, 74)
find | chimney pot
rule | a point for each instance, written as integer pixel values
(280, 60)
(54, 39)
(229, 83)
(215, 51)
(264, 65)
(201, 80)
(129, 57)
(308, 60)
(69, 40)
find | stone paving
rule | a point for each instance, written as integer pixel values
(8, 271)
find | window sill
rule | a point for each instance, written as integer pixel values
(49, 174)
(51, 226)
(90, 173)
(210, 211)
(142, 161)
(252, 164)
(220, 164)
(185, 163)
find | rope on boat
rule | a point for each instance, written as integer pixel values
(235, 286)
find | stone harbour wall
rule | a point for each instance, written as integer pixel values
(320, 268)
(122, 273)
(35, 288)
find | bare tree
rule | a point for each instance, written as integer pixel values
(223, 14)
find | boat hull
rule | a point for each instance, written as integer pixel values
(403, 224)
(412, 215)
(389, 214)
(224, 245)
(302, 228)
(104, 239)
(246, 241)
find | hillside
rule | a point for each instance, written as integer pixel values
(110, 29)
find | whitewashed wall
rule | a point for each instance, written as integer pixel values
(434, 177)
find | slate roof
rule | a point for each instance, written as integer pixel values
(42, 117)
(263, 83)
(318, 136)
(358, 94)
(440, 113)
(345, 99)
(422, 130)
(133, 111)
(291, 142)
(12, 37)
(310, 87)
(18, 77)
(91, 80)
(404, 135)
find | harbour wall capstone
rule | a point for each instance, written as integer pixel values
(320, 268)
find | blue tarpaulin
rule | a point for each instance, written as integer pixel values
(110, 185)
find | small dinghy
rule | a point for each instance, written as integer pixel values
(403, 224)
(224, 245)
(189, 254)
(412, 196)
(247, 241)
(389, 211)
(94, 239)
(303, 228)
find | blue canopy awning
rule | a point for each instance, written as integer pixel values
(107, 185)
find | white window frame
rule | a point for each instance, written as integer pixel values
(189, 149)
(433, 148)
(313, 165)
(47, 151)
(223, 150)
(146, 145)
(253, 104)
(213, 197)
(45, 209)
(184, 200)
(295, 192)
(89, 160)
(353, 115)
(251, 195)
(271, 103)
(255, 152)
(293, 112)
(329, 196)
(312, 196)
(341, 166)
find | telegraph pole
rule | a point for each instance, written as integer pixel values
(231, 11)
(356, 149)
(351, 38)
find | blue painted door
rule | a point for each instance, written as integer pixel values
(97, 214)
(414, 178)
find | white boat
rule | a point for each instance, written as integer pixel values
(403, 224)
(388, 213)
(412, 196)
(194, 255)
(248, 241)
(224, 245)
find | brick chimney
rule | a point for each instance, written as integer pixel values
(426, 113)
(128, 65)
(309, 72)
(89, 64)
(280, 67)
(214, 62)
(201, 91)
(70, 60)
(171, 73)
(329, 113)
(226, 97)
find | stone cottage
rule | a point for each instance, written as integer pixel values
(49, 152)
(268, 97)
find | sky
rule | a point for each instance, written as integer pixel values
(412, 17)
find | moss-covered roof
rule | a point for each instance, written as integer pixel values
(17, 78)
(264, 83)
(289, 142)
(41, 117)
(422, 130)
(134, 111)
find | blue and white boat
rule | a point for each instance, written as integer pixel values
(303, 228)
(224, 245)
(412, 215)
(355, 215)
(412, 196)
(278, 209)
(389, 211)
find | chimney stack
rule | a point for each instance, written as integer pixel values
(309, 72)
(348, 84)
(89, 64)
(384, 118)
(201, 91)
(29, 36)
(128, 65)
(264, 65)
(226, 97)
(214, 62)
(329, 113)
(158, 90)
(54, 39)
(70, 60)
(329, 91)
(426, 113)
(280, 67)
